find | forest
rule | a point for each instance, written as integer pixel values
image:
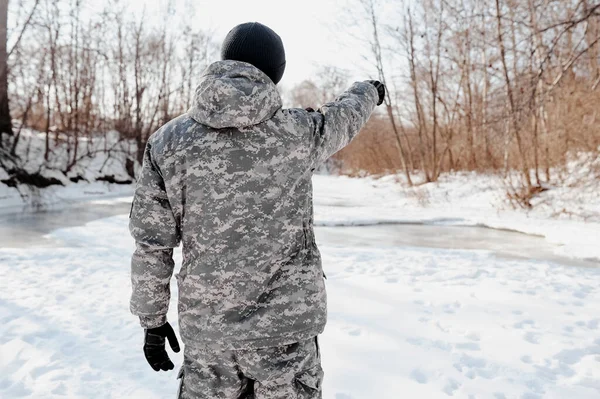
(507, 87)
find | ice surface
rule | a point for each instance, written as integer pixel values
(464, 199)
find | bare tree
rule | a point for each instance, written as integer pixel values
(510, 94)
(377, 53)
(5, 119)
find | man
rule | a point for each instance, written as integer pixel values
(231, 180)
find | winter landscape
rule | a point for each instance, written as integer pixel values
(436, 291)
(460, 232)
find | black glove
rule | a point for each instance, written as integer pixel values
(380, 89)
(154, 347)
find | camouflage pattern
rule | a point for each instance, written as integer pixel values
(291, 372)
(231, 180)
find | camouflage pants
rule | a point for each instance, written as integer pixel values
(286, 372)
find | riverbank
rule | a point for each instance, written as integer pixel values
(567, 216)
(103, 169)
(457, 200)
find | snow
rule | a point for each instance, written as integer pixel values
(403, 321)
(99, 163)
(466, 199)
(439, 323)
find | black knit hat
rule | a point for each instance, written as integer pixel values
(258, 45)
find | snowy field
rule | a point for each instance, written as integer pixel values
(404, 321)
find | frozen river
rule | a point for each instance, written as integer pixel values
(32, 229)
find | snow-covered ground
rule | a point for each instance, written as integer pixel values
(107, 156)
(567, 215)
(403, 321)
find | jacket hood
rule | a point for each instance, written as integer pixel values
(234, 94)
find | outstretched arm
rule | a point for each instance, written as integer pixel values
(338, 122)
(156, 232)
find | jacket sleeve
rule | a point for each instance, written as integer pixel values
(156, 232)
(338, 122)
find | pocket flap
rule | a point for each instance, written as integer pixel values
(311, 378)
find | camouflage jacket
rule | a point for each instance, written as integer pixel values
(231, 181)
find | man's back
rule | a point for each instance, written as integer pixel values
(231, 180)
(241, 198)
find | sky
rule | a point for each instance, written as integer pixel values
(313, 31)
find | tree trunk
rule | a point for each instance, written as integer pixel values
(388, 106)
(511, 99)
(5, 120)
(376, 47)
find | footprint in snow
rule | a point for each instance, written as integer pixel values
(37, 372)
(342, 396)
(425, 343)
(530, 395)
(472, 367)
(18, 390)
(451, 387)
(91, 377)
(526, 359)
(469, 346)
(568, 328)
(473, 337)
(532, 338)
(580, 294)
(355, 332)
(418, 376)
(451, 307)
(593, 324)
(61, 389)
(573, 356)
(524, 323)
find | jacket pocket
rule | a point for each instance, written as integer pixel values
(309, 381)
